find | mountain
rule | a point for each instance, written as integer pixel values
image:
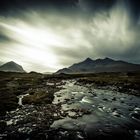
(64, 70)
(100, 65)
(11, 67)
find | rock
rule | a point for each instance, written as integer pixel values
(115, 113)
(137, 134)
(67, 99)
(80, 136)
(105, 99)
(114, 99)
(136, 116)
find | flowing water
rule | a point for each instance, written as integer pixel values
(79, 112)
(97, 110)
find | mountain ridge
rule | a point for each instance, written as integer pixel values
(100, 65)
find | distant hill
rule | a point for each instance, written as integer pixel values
(100, 65)
(11, 67)
(64, 70)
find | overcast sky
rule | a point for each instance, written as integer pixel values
(46, 35)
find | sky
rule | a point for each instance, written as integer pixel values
(47, 35)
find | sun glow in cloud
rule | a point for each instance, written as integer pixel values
(25, 33)
(49, 41)
(34, 44)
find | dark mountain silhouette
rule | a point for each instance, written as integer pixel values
(100, 65)
(65, 70)
(11, 67)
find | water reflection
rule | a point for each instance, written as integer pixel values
(89, 108)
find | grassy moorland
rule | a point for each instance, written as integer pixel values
(35, 84)
(128, 82)
(124, 82)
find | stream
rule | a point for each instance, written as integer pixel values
(98, 111)
(78, 112)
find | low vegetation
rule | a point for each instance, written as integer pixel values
(40, 92)
(34, 84)
(124, 82)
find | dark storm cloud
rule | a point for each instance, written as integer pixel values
(93, 5)
(9, 7)
(37, 36)
(6, 5)
(135, 8)
(21, 4)
(89, 3)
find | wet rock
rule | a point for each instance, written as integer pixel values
(25, 130)
(72, 98)
(137, 109)
(72, 114)
(63, 113)
(130, 109)
(67, 99)
(58, 95)
(70, 135)
(10, 122)
(122, 100)
(80, 136)
(94, 94)
(101, 108)
(136, 116)
(114, 109)
(116, 113)
(114, 99)
(137, 134)
(105, 99)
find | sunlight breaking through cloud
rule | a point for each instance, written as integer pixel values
(50, 41)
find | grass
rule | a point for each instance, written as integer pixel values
(14, 84)
(124, 81)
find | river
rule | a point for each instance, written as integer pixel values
(103, 111)
(78, 112)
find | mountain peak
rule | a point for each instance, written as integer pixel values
(11, 62)
(107, 58)
(88, 59)
(11, 67)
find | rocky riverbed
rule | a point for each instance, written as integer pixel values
(78, 111)
(99, 112)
